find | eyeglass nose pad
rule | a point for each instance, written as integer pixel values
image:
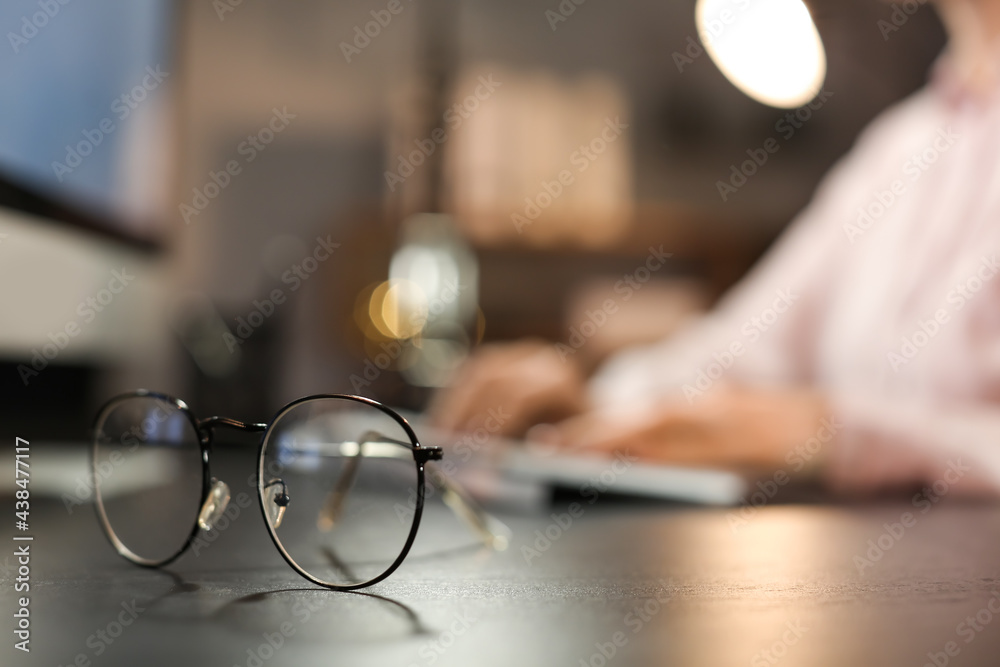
(276, 500)
(215, 504)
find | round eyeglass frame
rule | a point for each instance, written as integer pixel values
(205, 429)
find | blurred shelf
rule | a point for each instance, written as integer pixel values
(524, 287)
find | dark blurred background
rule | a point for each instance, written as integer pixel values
(346, 180)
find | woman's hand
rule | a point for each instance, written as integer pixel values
(527, 382)
(730, 428)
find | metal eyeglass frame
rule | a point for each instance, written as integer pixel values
(491, 531)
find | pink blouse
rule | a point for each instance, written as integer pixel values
(884, 293)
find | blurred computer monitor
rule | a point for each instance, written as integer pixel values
(86, 162)
(85, 125)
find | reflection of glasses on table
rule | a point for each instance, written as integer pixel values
(340, 482)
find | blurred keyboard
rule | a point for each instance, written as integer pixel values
(501, 469)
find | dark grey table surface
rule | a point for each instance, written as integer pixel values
(623, 584)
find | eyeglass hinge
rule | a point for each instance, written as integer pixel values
(424, 454)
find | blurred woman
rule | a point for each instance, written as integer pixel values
(865, 347)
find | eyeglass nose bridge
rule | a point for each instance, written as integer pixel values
(206, 425)
(219, 494)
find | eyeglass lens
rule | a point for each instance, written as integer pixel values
(148, 476)
(339, 486)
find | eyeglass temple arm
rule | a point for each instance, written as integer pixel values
(493, 532)
(334, 503)
(490, 530)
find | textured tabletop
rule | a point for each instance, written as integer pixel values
(611, 583)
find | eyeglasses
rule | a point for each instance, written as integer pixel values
(340, 482)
